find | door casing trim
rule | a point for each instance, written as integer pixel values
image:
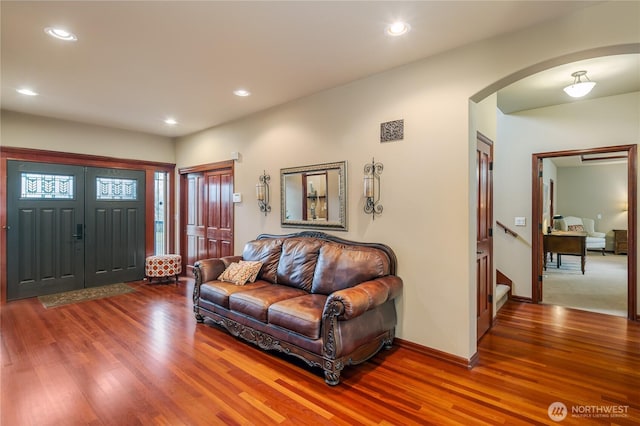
(536, 214)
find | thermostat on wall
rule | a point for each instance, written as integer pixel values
(237, 197)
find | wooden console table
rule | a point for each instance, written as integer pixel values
(569, 243)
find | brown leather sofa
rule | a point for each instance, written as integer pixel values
(323, 299)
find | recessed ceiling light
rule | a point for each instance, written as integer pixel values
(241, 92)
(61, 34)
(171, 121)
(398, 28)
(26, 91)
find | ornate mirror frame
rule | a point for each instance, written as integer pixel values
(323, 206)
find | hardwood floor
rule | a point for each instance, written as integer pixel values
(140, 358)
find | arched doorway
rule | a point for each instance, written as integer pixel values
(534, 69)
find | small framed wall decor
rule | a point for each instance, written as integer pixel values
(392, 131)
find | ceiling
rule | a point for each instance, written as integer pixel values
(136, 63)
(614, 75)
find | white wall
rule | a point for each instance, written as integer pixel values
(35, 132)
(594, 190)
(583, 124)
(427, 190)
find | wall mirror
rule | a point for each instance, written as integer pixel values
(314, 196)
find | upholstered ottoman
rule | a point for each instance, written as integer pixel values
(163, 266)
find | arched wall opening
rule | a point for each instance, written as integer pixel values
(480, 119)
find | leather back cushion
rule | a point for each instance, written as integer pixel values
(298, 262)
(268, 252)
(341, 267)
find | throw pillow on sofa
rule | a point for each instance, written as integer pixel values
(253, 266)
(575, 228)
(241, 273)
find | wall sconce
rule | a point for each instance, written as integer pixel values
(262, 192)
(372, 172)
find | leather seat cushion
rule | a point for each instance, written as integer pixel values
(218, 292)
(302, 315)
(255, 303)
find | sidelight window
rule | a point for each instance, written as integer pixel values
(161, 208)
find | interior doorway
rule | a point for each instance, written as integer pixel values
(206, 212)
(539, 210)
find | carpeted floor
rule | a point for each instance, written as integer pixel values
(602, 288)
(82, 295)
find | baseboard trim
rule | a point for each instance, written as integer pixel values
(521, 299)
(435, 353)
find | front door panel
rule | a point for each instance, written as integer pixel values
(45, 254)
(115, 226)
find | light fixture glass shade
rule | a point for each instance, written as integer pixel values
(61, 34)
(580, 89)
(260, 191)
(368, 186)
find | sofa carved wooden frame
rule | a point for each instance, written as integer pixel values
(331, 365)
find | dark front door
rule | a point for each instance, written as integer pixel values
(45, 220)
(114, 226)
(70, 227)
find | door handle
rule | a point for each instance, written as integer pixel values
(479, 251)
(78, 234)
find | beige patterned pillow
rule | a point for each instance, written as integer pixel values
(229, 274)
(252, 265)
(241, 273)
(576, 228)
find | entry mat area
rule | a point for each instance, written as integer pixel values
(83, 295)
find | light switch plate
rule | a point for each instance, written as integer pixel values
(237, 197)
(521, 221)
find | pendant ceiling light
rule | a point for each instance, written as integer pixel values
(579, 88)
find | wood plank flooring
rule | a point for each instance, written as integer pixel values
(141, 359)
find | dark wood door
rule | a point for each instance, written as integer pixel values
(208, 198)
(219, 210)
(484, 245)
(45, 220)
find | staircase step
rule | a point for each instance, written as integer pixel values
(501, 291)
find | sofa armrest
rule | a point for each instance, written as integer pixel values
(208, 270)
(354, 301)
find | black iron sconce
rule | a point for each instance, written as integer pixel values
(262, 192)
(372, 172)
